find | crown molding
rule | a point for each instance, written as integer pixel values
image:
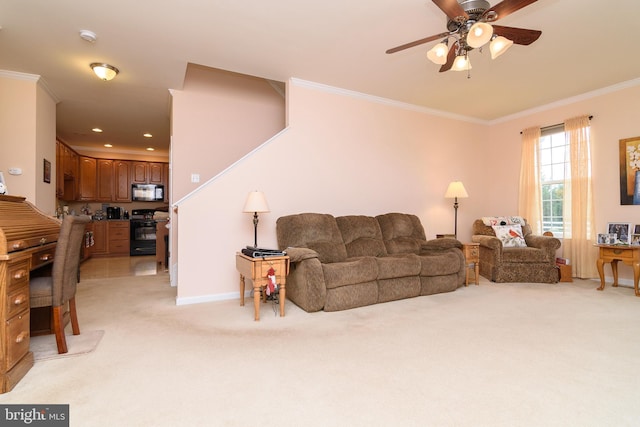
(39, 80)
(568, 101)
(385, 101)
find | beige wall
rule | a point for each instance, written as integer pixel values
(217, 118)
(615, 116)
(345, 153)
(341, 154)
(27, 137)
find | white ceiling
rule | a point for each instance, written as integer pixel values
(585, 45)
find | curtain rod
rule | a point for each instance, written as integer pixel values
(552, 126)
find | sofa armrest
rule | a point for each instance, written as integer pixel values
(489, 242)
(300, 254)
(547, 244)
(445, 243)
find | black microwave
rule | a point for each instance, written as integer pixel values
(147, 193)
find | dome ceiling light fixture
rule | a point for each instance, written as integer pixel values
(468, 25)
(105, 72)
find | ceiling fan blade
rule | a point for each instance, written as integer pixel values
(451, 56)
(504, 8)
(417, 43)
(517, 35)
(452, 9)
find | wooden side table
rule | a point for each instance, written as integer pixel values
(472, 256)
(629, 255)
(257, 269)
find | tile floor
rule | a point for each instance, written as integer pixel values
(105, 267)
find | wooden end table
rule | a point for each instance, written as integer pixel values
(257, 269)
(629, 255)
(472, 256)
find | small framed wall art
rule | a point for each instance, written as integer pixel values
(47, 171)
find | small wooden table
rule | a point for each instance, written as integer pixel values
(257, 269)
(472, 256)
(629, 255)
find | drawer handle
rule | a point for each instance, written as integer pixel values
(19, 300)
(618, 251)
(43, 240)
(21, 337)
(18, 245)
(20, 274)
(45, 257)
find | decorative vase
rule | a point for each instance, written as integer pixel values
(636, 189)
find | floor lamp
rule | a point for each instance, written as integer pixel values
(256, 202)
(454, 191)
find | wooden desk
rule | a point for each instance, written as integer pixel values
(629, 255)
(27, 244)
(257, 269)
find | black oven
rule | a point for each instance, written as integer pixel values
(143, 232)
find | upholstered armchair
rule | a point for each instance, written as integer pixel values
(525, 258)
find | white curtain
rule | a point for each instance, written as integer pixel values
(578, 215)
(529, 201)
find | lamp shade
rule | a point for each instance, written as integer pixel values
(104, 71)
(461, 63)
(438, 54)
(499, 45)
(256, 202)
(479, 34)
(456, 189)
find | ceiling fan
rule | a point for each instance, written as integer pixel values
(468, 26)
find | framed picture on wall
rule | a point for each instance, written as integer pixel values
(630, 171)
(622, 230)
(47, 171)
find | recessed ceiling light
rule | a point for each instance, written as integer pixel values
(97, 130)
(108, 145)
(147, 135)
(150, 149)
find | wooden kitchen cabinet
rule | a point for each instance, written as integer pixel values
(104, 187)
(88, 179)
(147, 173)
(118, 232)
(138, 172)
(122, 181)
(156, 173)
(99, 238)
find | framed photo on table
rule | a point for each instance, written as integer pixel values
(622, 230)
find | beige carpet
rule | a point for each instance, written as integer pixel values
(44, 347)
(488, 355)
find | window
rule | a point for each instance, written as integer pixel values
(554, 164)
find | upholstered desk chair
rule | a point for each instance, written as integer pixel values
(59, 290)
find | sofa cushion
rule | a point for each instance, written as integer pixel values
(314, 231)
(524, 255)
(394, 266)
(510, 235)
(350, 272)
(361, 235)
(328, 251)
(441, 264)
(402, 233)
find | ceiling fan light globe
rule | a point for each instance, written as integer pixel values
(438, 54)
(499, 45)
(479, 34)
(461, 63)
